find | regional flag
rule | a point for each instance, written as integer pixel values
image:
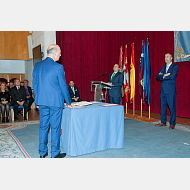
(141, 73)
(120, 58)
(147, 75)
(132, 75)
(126, 76)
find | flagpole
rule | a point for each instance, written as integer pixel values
(149, 99)
(141, 107)
(134, 105)
(149, 110)
(126, 108)
(140, 84)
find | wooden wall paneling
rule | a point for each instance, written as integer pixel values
(14, 45)
(2, 45)
(10, 76)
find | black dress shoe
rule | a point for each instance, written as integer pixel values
(61, 155)
(44, 155)
(16, 119)
(25, 118)
(7, 119)
(3, 120)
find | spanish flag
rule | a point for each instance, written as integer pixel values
(132, 75)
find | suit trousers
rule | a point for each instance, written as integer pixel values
(31, 100)
(115, 100)
(16, 105)
(50, 116)
(170, 100)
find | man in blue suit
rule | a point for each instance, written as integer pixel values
(116, 78)
(50, 90)
(167, 75)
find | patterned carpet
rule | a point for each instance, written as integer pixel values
(10, 147)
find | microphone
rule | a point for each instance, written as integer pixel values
(104, 76)
(98, 75)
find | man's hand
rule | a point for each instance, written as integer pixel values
(165, 75)
(21, 103)
(76, 99)
(27, 97)
(160, 73)
(71, 106)
(110, 83)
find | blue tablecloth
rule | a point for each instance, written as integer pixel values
(93, 128)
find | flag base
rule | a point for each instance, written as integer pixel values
(143, 118)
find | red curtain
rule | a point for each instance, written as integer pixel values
(85, 54)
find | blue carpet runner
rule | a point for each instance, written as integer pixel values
(141, 140)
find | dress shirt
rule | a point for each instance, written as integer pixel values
(168, 66)
(113, 74)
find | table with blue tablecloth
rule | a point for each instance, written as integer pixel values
(92, 128)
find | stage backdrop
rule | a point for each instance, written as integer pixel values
(85, 54)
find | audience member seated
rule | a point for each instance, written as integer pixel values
(74, 92)
(28, 94)
(18, 96)
(11, 84)
(4, 97)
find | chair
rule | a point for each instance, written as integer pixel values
(12, 112)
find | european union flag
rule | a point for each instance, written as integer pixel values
(147, 75)
(181, 46)
(141, 73)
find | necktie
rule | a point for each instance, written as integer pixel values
(18, 89)
(112, 76)
(167, 67)
(26, 91)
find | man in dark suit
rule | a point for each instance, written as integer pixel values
(116, 78)
(167, 75)
(74, 92)
(28, 94)
(18, 97)
(50, 90)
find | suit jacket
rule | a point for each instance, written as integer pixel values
(72, 95)
(168, 84)
(117, 81)
(15, 96)
(29, 90)
(49, 84)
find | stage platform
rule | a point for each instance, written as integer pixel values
(33, 114)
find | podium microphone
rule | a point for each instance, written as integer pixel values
(98, 75)
(104, 76)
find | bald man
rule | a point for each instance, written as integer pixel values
(50, 90)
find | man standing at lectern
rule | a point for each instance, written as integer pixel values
(116, 79)
(167, 75)
(50, 90)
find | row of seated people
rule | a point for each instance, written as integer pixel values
(15, 95)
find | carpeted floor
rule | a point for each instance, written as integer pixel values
(141, 140)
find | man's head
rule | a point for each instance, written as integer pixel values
(17, 82)
(54, 52)
(168, 58)
(116, 67)
(25, 82)
(11, 84)
(71, 83)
